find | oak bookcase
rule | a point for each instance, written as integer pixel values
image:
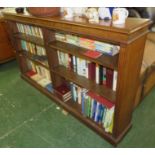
(131, 39)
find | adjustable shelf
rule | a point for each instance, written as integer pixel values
(29, 56)
(102, 90)
(105, 60)
(30, 38)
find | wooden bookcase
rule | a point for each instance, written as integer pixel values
(131, 39)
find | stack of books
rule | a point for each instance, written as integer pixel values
(63, 92)
(87, 43)
(90, 44)
(95, 72)
(30, 30)
(106, 48)
(40, 75)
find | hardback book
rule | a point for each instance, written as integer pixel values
(91, 71)
(63, 92)
(114, 80)
(30, 73)
(109, 78)
(36, 77)
(92, 54)
(97, 74)
(43, 82)
(100, 99)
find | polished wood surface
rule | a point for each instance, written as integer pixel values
(102, 30)
(6, 49)
(131, 39)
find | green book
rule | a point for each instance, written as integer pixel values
(89, 106)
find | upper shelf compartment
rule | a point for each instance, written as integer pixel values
(105, 60)
(30, 38)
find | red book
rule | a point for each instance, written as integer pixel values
(93, 54)
(91, 71)
(101, 99)
(63, 92)
(30, 73)
(109, 78)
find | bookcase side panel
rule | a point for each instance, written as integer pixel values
(130, 60)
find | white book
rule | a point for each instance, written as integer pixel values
(74, 64)
(108, 118)
(87, 62)
(97, 73)
(114, 80)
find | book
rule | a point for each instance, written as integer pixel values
(100, 99)
(109, 78)
(114, 81)
(49, 87)
(30, 73)
(91, 71)
(97, 74)
(92, 54)
(63, 92)
(43, 82)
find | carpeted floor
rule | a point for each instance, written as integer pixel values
(30, 119)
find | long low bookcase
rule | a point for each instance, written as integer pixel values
(35, 39)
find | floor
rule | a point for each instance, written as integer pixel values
(30, 119)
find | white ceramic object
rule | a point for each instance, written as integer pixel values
(119, 16)
(104, 13)
(79, 11)
(92, 15)
(68, 12)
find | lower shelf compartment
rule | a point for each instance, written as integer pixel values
(74, 109)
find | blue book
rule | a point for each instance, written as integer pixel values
(97, 112)
(94, 109)
(49, 87)
(82, 102)
(101, 111)
(72, 91)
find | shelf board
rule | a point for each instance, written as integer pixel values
(74, 109)
(107, 93)
(30, 38)
(105, 60)
(29, 56)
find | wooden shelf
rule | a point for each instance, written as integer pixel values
(29, 56)
(73, 109)
(33, 39)
(105, 60)
(85, 83)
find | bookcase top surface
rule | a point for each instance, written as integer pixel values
(132, 24)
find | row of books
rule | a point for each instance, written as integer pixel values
(29, 30)
(40, 75)
(33, 48)
(90, 70)
(94, 106)
(93, 45)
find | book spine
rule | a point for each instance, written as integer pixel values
(91, 71)
(109, 78)
(97, 74)
(114, 81)
(100, 74)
